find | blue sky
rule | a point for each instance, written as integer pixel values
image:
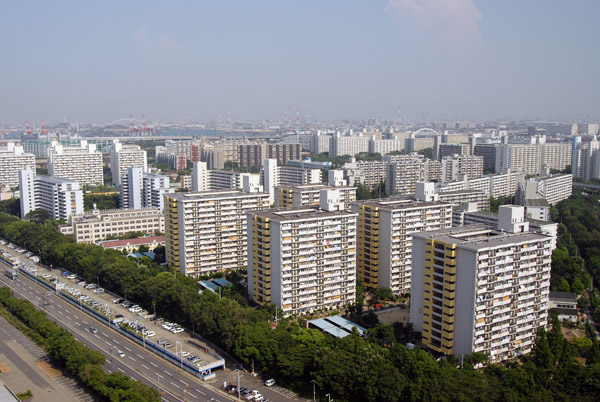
(332, 59)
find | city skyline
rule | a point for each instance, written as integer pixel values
(435, 59)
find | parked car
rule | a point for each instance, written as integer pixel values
(99, 290)
(270, 382)
(72, 276)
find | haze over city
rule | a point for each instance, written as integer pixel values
(437, 59)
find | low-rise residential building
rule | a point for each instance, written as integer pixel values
(95, 225)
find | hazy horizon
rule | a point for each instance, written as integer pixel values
(339, 59)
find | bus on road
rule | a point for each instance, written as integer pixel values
(12, 274)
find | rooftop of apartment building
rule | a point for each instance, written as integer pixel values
(457, 192)
(308, 187)
(400, 203)
(299, 213)
(113, 213)
(201, 195)
(480, 237)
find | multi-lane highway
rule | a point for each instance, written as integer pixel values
(136, 362)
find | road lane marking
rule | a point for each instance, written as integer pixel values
(175, 384)
(154, 364)
(144, 366)
(168, 373)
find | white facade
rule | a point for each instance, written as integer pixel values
(82, 164)
(95, 225)
(403, 172)
(123, 156)
(61, 198)
(586, 159)
(302, 259)
(477, 289)
(143, 190)
(12, 160)
(347, 145)
(369, 173)
(206, 231)
(455, 165)
(385, 241)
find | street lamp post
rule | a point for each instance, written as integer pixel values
(238, 382)
(314, 390)
(252, 367)
(329, 397)
(180, 353)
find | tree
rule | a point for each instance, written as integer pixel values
(542, 356)
(38, 216)
(384, 293)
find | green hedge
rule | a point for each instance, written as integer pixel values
(79, 360)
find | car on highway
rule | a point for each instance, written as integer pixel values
(93, 330)
(120, 353)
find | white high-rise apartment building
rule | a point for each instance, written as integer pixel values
(385, 146)
(123, 156)
(385, 227)
(302, 259)
(60, 197)
(455, 165)
(527, 158)
(206, 231)
(403, 173)
(479, 289)
(82, 164)
(143, 190)
(12, 160)
(311, 194)
(586, 159)
(557, 155)
(347, 145)
(369, 173)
